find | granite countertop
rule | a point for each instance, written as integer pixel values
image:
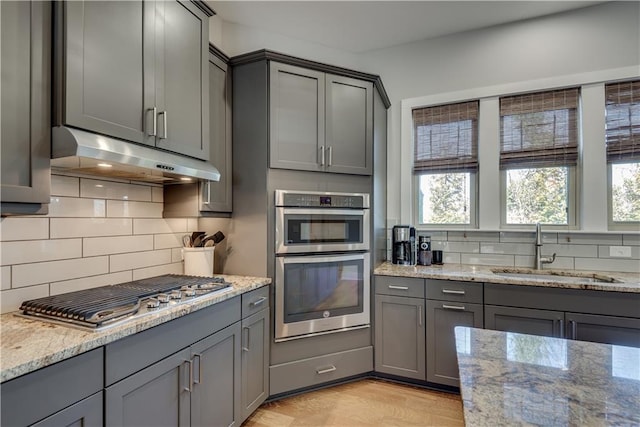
(30, 344)
(516, 379)
(624, 282)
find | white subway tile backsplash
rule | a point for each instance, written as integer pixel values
(570, 250)
(608, 264)
(605, 252)
(159, 226)
(93, 246)
(22, 228)
(10, 300)
(142, 273)
(139, 260)
(67, 186)
(5, 277)
(193, 225)
(561, 263)
(90, 227)
(467, 247)
(30, 251)
(76, 208)
(487, 259)
(164, 241)
(451, 258)
(631, 239)
(177, 255)
(54, 271)
(507, 248)
(157, 194)
(435, 235)
(98, 189)
(473, 236)
(119, 209)
(590, 239)
(526, 237)
(89, 282)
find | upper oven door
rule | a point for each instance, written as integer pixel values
(304, 230)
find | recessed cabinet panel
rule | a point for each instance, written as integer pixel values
(603, 329)
(524, 321)
(297, 118)
(255, 361)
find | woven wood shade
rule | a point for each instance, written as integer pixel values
(539, 129)
(623, 121)
(446, 138)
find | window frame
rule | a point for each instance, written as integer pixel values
(473, 206)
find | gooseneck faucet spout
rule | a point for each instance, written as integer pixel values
(540, 260)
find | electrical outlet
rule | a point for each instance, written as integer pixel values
(620, 251)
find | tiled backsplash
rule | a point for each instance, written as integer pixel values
(574, 251)
(96, 233)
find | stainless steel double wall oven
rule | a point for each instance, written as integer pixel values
(322, 263)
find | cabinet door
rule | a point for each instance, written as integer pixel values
(217, 196)
(442, 318)
(400, 336)
(524, 320)
(603, 329)
(156, 396)
(296, 118)
(26, 113)
(109, 76)
(215, 400)
(349, 125)
(255, 361)
(182, 78)
(86, 413)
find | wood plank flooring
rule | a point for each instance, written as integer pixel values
(367, 402)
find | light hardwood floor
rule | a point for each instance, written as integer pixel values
(368, 402)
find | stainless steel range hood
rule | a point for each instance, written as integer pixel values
(82, 152)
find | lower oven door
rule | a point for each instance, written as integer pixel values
(321, 293)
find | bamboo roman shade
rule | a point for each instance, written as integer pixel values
(446, 138)
(623, 121)
(539, 129)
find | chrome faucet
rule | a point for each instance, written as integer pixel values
(539, 258)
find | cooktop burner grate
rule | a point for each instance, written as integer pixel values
(97, 306)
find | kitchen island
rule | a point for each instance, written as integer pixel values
(517, 379)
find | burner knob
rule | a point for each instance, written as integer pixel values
(163, 298)
(175, 294)
(153, 303)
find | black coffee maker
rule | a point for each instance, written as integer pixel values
(404, 245)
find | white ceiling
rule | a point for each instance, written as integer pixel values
(359, 26)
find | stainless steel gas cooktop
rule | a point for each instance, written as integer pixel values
(101, 307)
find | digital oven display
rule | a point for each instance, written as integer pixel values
(325, 201)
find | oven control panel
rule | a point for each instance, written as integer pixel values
(322, 200)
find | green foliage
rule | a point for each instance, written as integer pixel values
(537, 195)
(448, 198)
(625, 192)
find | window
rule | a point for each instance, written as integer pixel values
(538, 155)
(445, 163)
(622, 135)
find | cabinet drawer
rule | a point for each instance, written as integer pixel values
(321, 369)
(450, 290)
(254, 301)
(399, 286)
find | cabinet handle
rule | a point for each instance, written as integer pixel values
(199, 356)
(420, 315)
(325, 370)
(245, 339)
(399, 288)
(190, 379)
(165, 132)
(330, 156)
(258, 302)
(453, 307)
(574, 329)
(154, 126)
(208, 201)
(452, 292)
(322, 155)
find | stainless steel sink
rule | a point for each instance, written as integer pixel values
(553, 275)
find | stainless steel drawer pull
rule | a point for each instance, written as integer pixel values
(258, 302)
(199, 356)
(322, 155)
(165, 132)
(325, 370)
(453, 307)
(245, 347)
(452, 292)
(190, 379)
(400, 288)
(330, 156)
(420, 315)
(154, 127)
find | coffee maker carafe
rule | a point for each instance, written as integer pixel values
(404, 245)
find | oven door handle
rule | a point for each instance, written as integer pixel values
(323, 211)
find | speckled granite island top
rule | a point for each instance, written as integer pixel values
(517, 380)
(27, 345)
(623, 282)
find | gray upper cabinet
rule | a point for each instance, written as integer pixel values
(319, 121)
(26, 112)
(135, 70)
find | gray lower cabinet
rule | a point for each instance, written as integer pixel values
(603, 329)
(159, 395)
(400, 336)
(25, 122)
(442, 318)
(255, 361)
(86, 413)
(524, 320)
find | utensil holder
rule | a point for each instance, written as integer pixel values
(198, 261)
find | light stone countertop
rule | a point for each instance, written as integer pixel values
(29, 344)
(516, 379)
(624, 282)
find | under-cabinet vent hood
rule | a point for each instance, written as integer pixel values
(82, 152)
